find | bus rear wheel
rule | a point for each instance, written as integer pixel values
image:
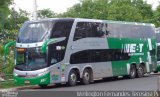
(86, 77)
(132, 73)
(72, 79)
(140, 71)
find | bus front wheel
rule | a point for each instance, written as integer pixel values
(132, 73)
(72, 79)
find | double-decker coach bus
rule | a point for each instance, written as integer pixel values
(58, 50)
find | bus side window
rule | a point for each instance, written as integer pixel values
(98, 30)
(89, 29)
(80, 31)
(61, 29)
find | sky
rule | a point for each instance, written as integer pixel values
(58, 6)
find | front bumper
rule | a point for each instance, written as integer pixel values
(40, 80)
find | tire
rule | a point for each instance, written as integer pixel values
(132, 72)
(72, 78)
(86, 78)
(140, 71)
(156, 71)
(43, 86)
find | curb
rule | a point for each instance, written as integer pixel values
(18, 88)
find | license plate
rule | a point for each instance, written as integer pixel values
(27, 82)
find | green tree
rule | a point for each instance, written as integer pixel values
(4, 12)
(156, 18)
(12, 25)
(4, 7)
(144, 9)
(14, 22)
(46, 13)
(89, 9)
(121, 10)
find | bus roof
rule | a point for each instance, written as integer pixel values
(95, 20)
(118, 22)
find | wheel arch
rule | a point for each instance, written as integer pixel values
(86, 67)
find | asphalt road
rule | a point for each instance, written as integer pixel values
(147, 83)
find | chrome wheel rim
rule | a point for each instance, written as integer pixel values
(132, 72)
(140, 71)
(86, 76)
(73, 77)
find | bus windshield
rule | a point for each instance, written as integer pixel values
(31, 60)
(34, 32)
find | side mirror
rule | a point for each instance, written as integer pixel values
(46, 43)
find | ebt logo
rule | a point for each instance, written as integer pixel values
(132, 48)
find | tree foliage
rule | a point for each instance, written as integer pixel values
(46, 13)
(120, 10)
(156, 17)
(4, 12)
(12, 24)
(4, 7)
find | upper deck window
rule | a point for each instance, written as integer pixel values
(62, 28)
(89, 29)
(118, 30)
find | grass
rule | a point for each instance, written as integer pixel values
(9, 84)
